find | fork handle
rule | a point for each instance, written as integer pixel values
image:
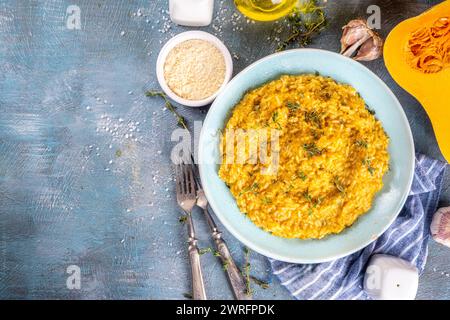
(234, 274)
(198, 287)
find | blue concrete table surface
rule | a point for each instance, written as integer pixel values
(85, 175)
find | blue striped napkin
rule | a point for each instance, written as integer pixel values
(407, 238)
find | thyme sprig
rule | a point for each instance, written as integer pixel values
(312, 149)
(313, 117)
(246, 271)
(368, 163)
(182, 219)
(301, 175)
(252, 188)
(275, 119)
(263, 284)
(188, 295)
(181, 121)
(361, 143)
(305, 21)
(204, 251)
(293, 106)
(225, 264)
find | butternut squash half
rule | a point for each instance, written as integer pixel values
(429, 84)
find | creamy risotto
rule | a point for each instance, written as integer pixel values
(331, 156)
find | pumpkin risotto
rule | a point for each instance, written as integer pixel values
(332, 155)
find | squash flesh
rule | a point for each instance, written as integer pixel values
(432, 90)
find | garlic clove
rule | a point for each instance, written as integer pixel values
(353, 31)
(371, 49)
(440, 226)
(360, 41)
(354, 47)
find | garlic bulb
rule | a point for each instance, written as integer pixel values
(440, 226)
(358, 38)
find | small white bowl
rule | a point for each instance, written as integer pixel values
(189, 35)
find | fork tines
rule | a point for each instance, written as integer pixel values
(185, 182)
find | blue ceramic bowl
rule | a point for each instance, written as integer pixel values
(388, 201)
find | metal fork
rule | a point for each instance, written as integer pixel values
(235, 277)
(186, 198)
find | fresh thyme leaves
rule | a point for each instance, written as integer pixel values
(246, 271)
(312, 149)
(301, 175)
(289, 188)
(275, 116)
(370, 110)
(293, 105)
(187, 295)
(368, 163)
(216, 254)
(307, 196)
(275, 119)
(313, 117)
(337, 183)
(181, 121)
(305, 21)
(225, 265)
(204, 250)
(118, 153)
(253, 188)
(182, 219)
(317, 202)
(264, 285)
(313, 202)
(315, 134)
(361, 143)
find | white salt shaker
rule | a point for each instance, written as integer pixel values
(191, 13)
(440, 226)
(391, 278)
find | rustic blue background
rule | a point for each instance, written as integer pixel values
(85, 177)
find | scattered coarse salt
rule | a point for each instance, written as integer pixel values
(195, 69)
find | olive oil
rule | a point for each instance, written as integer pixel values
(265, 10)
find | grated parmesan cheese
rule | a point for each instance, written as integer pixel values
(194, 69)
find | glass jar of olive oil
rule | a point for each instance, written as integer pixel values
(265, 10)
